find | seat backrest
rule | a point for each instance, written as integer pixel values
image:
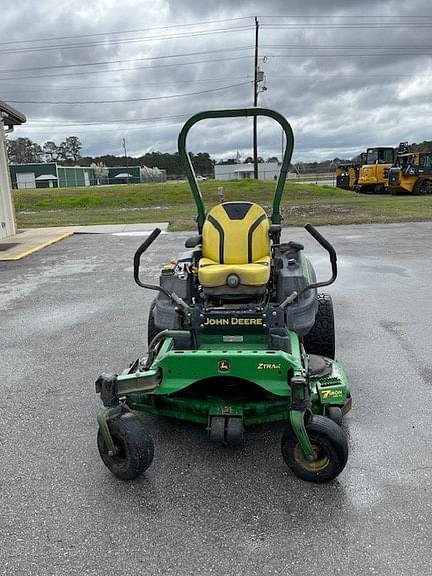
(236, 233)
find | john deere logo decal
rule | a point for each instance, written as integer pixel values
(224, 365)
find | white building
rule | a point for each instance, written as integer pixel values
(9, 117)
(266, 171)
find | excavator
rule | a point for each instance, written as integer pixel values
(412, 172)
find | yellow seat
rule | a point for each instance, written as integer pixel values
(235, 240)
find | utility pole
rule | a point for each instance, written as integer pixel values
(126, 160)
(255, 144)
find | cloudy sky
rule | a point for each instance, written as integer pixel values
(347, 74)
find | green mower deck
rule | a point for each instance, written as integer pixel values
(189, 384)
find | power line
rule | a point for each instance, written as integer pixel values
(106, 62)
(220, 21)
(349, 46)
(28, 88)
(345, 55)
(125, 41)
(201, 23)
(337, 76)
(127, 31)
(118, 121)
(239, 48)
(127, 100)
(269, 75)
(346, 16)
(396, 50)
(110, 71)
(209, 32)
(85, 123)
(130, 122)
(352, 25)
(109, 127)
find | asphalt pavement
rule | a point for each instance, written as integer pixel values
(72, 311)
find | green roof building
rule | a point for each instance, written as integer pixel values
(49, 175)
(52, 175)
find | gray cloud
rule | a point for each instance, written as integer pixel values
(342, 88)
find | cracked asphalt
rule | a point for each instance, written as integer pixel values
(73, 311)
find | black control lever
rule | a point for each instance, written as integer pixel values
(333, 261)
(137, 258)
(149, 240)
(332, 253)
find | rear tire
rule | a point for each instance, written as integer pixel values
(134, 447)
(320, 340)
(330, 445)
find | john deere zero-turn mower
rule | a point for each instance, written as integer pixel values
(238, 336)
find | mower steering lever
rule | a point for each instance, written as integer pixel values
(332, 253)
(333, 261)
(137, 259)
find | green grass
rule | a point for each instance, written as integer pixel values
(172, 202)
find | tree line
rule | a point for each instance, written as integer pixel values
(24, 150)
(68, 152)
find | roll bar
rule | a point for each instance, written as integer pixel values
(234, 113)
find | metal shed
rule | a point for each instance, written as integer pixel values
(124, 175)
(49, 175)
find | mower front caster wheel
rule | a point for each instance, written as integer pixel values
(331, 450)
(134, 447)
(226, 430)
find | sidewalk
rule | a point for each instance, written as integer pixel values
(32, 240)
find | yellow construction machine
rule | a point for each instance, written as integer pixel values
(347, 175)
(373, 174)
(368, 175)
(412, 172)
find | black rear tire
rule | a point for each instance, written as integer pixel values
(321, 338)
(331, 447)
(134, 447)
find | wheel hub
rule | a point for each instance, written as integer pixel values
(320, 462)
